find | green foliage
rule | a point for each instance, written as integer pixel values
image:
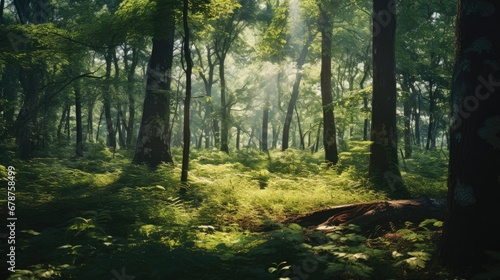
(347, 255)
(89, 216)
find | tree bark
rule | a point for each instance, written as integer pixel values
(383, 169)
(224, 127)
(265, 127)
(329, 130)
(472, 227)
(187, 98)
(407, 108)
(130, 92)
(153, 145)
(238, 133)
(430, 143)
(111, 137)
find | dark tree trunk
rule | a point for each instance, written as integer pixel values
(120, 120)
(2, 4)
(265, 125)
(187, 98)
(8, 92)
(224, 127)
(79, 129)
(90, 121)
(26, 119)
(416, 113)
(111, 138)
(318, 133)
(295, 93)
(153, 145)
(432, 121)
(329, 131)
(407, 106)
(62, 121)
(383, 168)
(366, 122)
(472, 226)
(99, 125)
(238, 133)
(130, 92)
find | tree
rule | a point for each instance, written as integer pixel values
(308, 40)
(471, 226)
(329, 132)
(187, 98)
(153, 145)
(383, 168)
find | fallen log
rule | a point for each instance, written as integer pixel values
(373, 214)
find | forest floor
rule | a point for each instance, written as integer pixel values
(102, 217)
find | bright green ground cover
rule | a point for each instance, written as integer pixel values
(102, 217)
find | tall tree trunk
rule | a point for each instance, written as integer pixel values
(79, 129)
(2, 4)
(60, 126)
(238, 133)
(329, 131)
(432, 121)
(295, 92)
(416, 113)
(90, 121)
(472, 226)
(407, 119)
(99, 125)
(224, 127)
(318, 133)
(383, 168)
(111, 138)
(26, 119)
(366, 122)
(265, 127)
(153, 145)
(8, 92)
(131, 99)
(120, 120)
(187, 98)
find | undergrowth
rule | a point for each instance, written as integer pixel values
(102, 217)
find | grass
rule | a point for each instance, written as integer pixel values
(101, 216)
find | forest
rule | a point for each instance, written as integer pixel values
(250, 139)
